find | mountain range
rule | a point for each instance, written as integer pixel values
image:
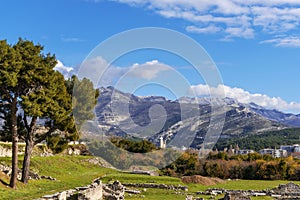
(124, 114)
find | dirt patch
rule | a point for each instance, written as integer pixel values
(201, 180)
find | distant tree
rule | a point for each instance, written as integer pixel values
(56, 143)
(142, 146)
(84, 99)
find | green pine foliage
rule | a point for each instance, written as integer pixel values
(84, 99)
(268, 139)
(29, 81)
(142, 146)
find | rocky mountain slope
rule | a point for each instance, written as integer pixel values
(284, 118)
(123, 114)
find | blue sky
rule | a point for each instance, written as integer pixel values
(255, 44)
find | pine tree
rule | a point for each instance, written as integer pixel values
(28, 81)
(10, 90)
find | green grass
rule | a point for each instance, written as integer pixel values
(124, 177)
(70, 172)
(156, 194)
(241, 185)
(153, 194)
(74, 171)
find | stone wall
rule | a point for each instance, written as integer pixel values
(7, 171)
(5, 152)
(283, 191)
(90, 192)
(114, 191)
(236, 196)
(94, 192)
(157, 186)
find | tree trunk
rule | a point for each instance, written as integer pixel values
(26, 161)
(14, 132)
(28, 151)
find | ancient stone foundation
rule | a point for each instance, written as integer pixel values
(94, 191)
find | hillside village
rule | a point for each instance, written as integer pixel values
(283, 152)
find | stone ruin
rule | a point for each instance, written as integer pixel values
(286, 191)
(157, 186)
(94, 191)
(283, 191)
(32, 176)
(236, 196)
(114, 191)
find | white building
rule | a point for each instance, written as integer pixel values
(162, 142)
(244, 151)
(276, 153)
(291, 148)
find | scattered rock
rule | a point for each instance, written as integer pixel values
(94, 192)
(48, 177)
(113, 191)
(286, 191)
(157, 186)
(236, 196)
(7, 171)
(132, 191)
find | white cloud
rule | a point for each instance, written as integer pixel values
(268, 2)
(66, 71)
(239, 32)
(100, 72)
(239, 18)
(208, 29)
(71, 39)
(148, 70)
(276, 20)
(246, 97)
(284, 41)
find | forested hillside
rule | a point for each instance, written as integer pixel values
(268, 139)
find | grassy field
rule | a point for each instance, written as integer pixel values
(74, 171)
(70, 172)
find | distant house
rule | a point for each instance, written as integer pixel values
(276, 153)
(280, 153)
(291, 148)
(244, 151)
(266, 152)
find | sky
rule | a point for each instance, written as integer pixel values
(254, 44)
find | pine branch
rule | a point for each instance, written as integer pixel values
(8, 95)
(22, 137)
(32, 124)
(26, 123)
